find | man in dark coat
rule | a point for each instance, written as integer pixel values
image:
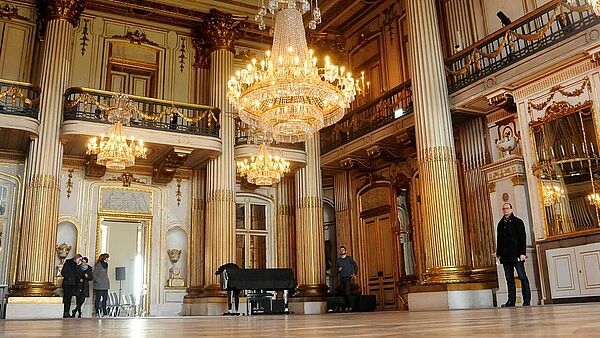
(83, 285)
(71, 275)
(347, 269)
(510, 250)
(233, 295)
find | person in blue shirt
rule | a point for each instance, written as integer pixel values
(347, 269)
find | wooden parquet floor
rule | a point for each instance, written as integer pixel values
(581, 320)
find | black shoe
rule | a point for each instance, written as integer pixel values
(73, 313)
(526, 304)
(508, 305)
(79, 316)
(66, 315)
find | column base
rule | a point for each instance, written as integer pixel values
(213, 290)
(308, 305)
(447, 275)
(194, 292)
(34, 308)
(33, 289)
(451, 297)
(311, 290)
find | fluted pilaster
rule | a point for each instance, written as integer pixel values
(343, 213)
(197, 234)
(478, 216)
(201, 66)
(460, 25)
(220, 197)
(310, 241)
(285, 231)
(37, 238)
(443, 234)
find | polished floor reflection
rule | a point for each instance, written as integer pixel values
(581, 320)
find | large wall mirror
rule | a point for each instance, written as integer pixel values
(567, 166)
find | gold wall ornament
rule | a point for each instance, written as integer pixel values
(126, 179)
(222, 29)
(586, 84)
(491, 187)
(69, 10)
(182, 50)
(519, 180)
(69, 183)
(505, 197)
(390, 18)
(178, 192)
(84, 36)
(136, 37)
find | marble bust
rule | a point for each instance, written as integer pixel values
(175, 277)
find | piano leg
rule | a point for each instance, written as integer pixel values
(286, 309)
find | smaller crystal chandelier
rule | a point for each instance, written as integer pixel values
(594, 3)
(263, 169)
(115, 151)
(594, 199)
(552, 192)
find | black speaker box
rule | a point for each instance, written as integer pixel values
(120, 273)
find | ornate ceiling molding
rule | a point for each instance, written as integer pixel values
(357, 163)
(136, 37)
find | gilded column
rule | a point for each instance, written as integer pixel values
(285, 224)
(222, 30)
(197, 234)
(37, 238)
(443, 233)
(310, 241)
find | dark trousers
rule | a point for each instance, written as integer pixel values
(100, 298)
(80, 300)
(68, 292)
(233, 296)
(346, 285)
(509, 273)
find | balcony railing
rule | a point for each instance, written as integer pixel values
(91, 105)
(391, 106)
(19, 98)
(244, 134)
(540, 29)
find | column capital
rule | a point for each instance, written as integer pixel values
(222, 29)
(69, 10)
(202, 45)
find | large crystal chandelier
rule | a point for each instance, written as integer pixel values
(289, 94)
(115, 151)
(263, 169)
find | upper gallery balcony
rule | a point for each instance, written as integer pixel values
(553, 24)
(19, 103)
(377, 121)
(247, 142)
(163, 125)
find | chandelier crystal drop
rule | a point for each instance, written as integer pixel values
(289, 94)
(594, 199)
(115, 151)
(263, 169)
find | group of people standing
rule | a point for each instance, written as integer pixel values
(77, 275)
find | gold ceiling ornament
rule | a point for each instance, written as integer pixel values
(552, 192)
(263, 169)
(288, 94)
(115, 151)
(594, 199)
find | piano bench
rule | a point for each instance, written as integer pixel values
(262, 301)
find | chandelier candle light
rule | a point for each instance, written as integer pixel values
(114, 151)
(289, 94)
(552, 192)
(264, 169)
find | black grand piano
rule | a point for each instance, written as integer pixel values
(258, 281)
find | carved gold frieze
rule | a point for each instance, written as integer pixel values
(69, 10)
(491, 187)
(585, 84)
(507, 167)
(10, 11)
(222, 29)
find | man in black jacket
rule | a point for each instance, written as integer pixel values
(71, 275)
(510, 250)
